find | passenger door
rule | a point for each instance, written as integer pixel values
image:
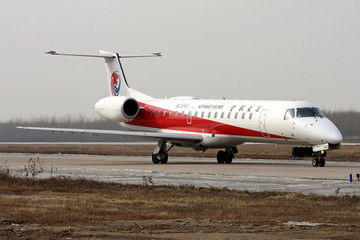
(262, 123)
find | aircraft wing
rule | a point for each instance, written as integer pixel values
(144, 135)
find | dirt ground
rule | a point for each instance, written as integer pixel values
(69, 209)
(175, 229)
(63, 208)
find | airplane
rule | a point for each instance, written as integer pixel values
(203, 124)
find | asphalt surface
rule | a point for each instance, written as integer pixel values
(242, 174)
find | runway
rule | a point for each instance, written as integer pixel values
(242, 174)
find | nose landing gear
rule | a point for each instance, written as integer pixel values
(318, 157)
(319, 160)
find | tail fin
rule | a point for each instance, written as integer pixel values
(118, 85)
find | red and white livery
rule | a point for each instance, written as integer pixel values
(202, 124)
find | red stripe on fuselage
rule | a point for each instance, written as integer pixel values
(180, 123)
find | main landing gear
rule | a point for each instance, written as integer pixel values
(226, 156)
(160, 154)
(160, 158)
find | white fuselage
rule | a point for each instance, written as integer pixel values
(223, 123)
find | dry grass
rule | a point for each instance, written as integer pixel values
(33, 208)
(257, 151)
(58, 200)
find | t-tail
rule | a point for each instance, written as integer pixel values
(123, 103)
(118, 85)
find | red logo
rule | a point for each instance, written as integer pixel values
(115, 84)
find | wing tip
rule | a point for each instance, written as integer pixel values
(52, 53)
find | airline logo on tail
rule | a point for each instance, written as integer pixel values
(115, 84)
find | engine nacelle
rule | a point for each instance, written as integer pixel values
(118, 108)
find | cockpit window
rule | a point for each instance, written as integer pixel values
(309, 112)
(304, 112)
(290, 113)
(318, 113)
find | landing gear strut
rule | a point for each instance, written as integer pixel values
(226, 156)
(160, 154)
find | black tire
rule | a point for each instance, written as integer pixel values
(164, 158)
(221, 156)
(160, 158)
(315, 162)
(155, 159)
(229, 157)
(322, 162)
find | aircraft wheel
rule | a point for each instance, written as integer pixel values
(322, 162)
(228, 160)
(160, 158)
(316, 162)
(155, 159)
(229, 157)
(221, 156)
(164, 158)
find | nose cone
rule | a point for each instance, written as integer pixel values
(322, 131)
(334, 136)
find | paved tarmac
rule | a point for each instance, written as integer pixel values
(242, 174)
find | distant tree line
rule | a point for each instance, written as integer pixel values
(347, 121)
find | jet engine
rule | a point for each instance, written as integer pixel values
(118, 108)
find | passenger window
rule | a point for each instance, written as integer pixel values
(216, 113)
(243, 116)
(164, 113)
(209, 115)
(158, 113)
(182, 114)
(250, 116)
(152, 113)
(290, 113)
(176, 114)
(202, 114)
(222, 115)
(236, 115)
(196, 113)
(229, 115)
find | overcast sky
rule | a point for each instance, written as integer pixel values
(273, 50)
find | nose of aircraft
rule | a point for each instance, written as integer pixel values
(334, 136)
(324, 131)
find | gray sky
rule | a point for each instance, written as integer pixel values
(273, 50)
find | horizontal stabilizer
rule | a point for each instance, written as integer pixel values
(101, 54)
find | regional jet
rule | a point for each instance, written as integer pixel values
(204, 124)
